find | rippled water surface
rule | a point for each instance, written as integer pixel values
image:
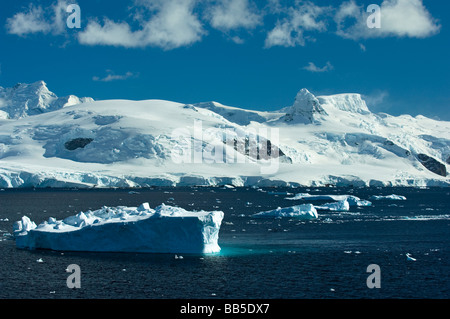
(260, 258)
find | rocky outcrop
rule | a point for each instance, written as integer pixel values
(77, 143)
(432, 164)
(261, 149)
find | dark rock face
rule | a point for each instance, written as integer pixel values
(77, 143)
(448, 160)
(261, 149)
(432, 164)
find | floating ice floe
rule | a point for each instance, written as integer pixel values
(165, 229)
(425, 217)
(305, 211)
(279, 193)
(409, 258)
(340, 206)
(351, 199)
(391, 197)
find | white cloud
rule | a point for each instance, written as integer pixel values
(110, 33)
(59, 24)
(311, 67)
(233, 14)
(113, 77)
(172, 24)
(399, 18)
(289, 32)
(284, 35)
(37, 20)
(348, 11)
(31, 21)
(237, 40)
(407, 18)
(275, 7)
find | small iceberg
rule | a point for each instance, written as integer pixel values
(165, 229)
(409, 258)
(340, 206)
(306, 211)
(351, 199)
(389, 197)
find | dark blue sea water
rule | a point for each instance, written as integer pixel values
(260, 258)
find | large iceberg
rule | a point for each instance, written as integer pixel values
(165, 229)
(305, 211)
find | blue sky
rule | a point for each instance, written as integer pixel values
(244, 53)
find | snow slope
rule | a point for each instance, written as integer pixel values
(46, 141)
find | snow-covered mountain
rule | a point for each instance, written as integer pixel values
(319, 140)
(24, 100)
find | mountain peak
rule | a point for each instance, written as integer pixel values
(305, 100)
(24, 99)
(305, 107)
(37, 86)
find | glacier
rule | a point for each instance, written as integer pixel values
(334, 140)
(165, 229)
